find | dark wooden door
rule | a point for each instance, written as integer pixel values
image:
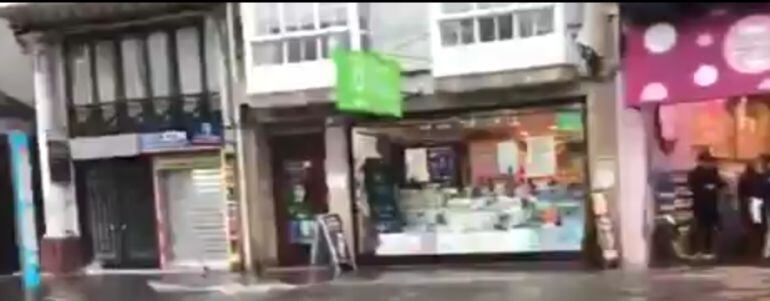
(103, 212)
(300, 193)
(137, 213)
(122, 212)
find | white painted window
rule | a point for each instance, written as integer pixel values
(142, 65)
(80, 73)
(473, 23)
(286, 33)
(478, 38)
(105, 70)
(134, 68)
(188, 54)
(157, 44)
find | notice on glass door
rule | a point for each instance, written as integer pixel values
(417, 165)
(507, 157)
(541, 156)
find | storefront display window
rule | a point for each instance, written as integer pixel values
(506, 181)
(734, 129)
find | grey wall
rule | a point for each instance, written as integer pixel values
(15, 67)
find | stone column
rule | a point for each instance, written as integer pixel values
(338, 178)
(60, 246)
(633, 193)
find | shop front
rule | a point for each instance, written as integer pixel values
(192, 209)
(293, 159)
(477, 183)
(712, 98)
(157, 201)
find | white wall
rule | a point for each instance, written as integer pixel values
(16, 71)
(401, 30)
(634, 194)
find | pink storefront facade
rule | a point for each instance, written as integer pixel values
(696, 82)
(719, 55)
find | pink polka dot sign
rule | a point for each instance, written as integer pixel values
(711, 57)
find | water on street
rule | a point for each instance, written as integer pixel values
(702, 284)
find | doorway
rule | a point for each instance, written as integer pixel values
(121, 212)
(195, 216)
(300, 193)
(9, 253)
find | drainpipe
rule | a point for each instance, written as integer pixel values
(233, 124)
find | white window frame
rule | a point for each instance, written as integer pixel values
(353, 27)
(515, 53)
(475, 13)
(298, 75)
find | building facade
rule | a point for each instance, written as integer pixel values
(206, 134)
(128, 97)
(711, 97)
(509, 125)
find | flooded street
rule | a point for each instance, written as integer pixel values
(723, 283)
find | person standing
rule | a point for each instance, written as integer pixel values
(764, 196)
(706, 185)
(748, 189)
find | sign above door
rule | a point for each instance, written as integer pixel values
(720, 55)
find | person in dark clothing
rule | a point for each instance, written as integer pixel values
(706, 185)
(763, 192)
(749, 188)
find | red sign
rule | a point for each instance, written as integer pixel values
(717, 56)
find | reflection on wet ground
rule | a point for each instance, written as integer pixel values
(701, 284)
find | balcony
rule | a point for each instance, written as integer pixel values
(478, 39)
(182, 113)
(288, 45)
(28, 16)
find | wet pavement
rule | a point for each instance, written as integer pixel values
(685, 283)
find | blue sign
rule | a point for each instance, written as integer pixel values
(166, 141)
(206, 134)
(26, 231)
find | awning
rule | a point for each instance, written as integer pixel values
(30, 16)
(724, 53)
(12, 107)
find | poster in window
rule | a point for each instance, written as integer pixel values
(714, 128)
(751, 118)
(541, 156)
(441, 164)
(417, 165)
(483, 157)
(507, 157)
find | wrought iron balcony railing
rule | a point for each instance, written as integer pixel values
(181, 113)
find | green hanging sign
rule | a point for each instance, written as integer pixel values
(368, 83)
(569, 121)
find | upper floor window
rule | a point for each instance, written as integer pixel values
(471, 23)
(155, 77)
(136, 66)
(282, 33)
